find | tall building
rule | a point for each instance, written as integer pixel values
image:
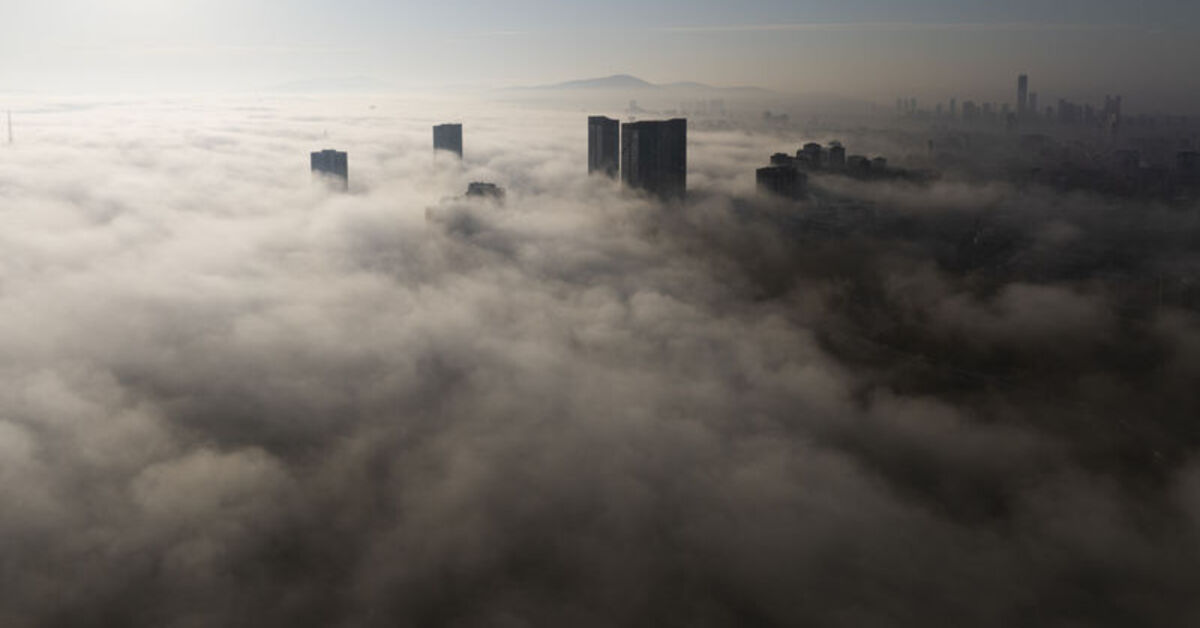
(783, 159)
(1031, 110)
(814, 154)
(604, 146)
(333, 166)
(784, 181)
(448, 137)
(1022, 95)
(837, 156)
(654, 157)
(858, 165)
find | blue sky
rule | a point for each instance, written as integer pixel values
(868, 48)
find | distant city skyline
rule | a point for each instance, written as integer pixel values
(862, 48)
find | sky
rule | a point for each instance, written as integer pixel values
(861, 48)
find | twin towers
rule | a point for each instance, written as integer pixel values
(649, 155)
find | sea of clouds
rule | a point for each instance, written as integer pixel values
(231, 396)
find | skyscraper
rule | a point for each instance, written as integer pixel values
(604, 146)
(814, 153)
(837, 156)
(783, 159)
(1022, 95)
(332, 166)
(448, 137)
(654, 157)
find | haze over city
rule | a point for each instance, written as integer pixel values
(863, 48)
(689, 314)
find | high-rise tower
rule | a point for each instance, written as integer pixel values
(333, 166)
(604, 146)
(448, 137)
(1022, 95)
(654, 157)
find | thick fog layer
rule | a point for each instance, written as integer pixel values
(233, 397)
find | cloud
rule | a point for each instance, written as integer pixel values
(230, 396)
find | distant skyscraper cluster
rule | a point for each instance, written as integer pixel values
(1027, 112)
(788, 175)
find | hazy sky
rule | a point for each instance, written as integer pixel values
(874, 48)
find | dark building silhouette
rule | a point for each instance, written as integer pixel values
(333, 166)
(813, 152)
(783, 159)
(448, 137)
(858, 165)
(1022, 95)
(783, 181)
(604, 146)
(654, 157)
(837, 157)
(479, 189)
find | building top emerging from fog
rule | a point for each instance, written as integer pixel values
(333, 166)
(654, 157)
(783, 180)
(480, 189)
(448, 137)
(817, 159)
(604, 146)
